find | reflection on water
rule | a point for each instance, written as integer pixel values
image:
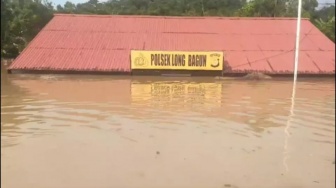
(91, 131)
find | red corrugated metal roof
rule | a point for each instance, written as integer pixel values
(103, 43)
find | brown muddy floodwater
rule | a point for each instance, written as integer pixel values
(147, 132)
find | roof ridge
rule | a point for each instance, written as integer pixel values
(180, 17)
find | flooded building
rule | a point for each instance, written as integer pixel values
(103, 44)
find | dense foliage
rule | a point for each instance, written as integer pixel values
(21, 20)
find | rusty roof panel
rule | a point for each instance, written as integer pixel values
(289, 27)
(258, 61)
(246, 42)
(237, 60)
(307, 45)
(322, 42)
(103, 43)
(284, 63)
(306, 64)
(61, 59)
(326, 63)
(276, 42)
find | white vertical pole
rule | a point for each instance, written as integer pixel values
(297, 43)
(296, 61)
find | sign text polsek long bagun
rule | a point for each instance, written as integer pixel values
(178, 60)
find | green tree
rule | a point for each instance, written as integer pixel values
(69, 8)
(324, 13)
(21, 21)
(277, 8)
(327, 27)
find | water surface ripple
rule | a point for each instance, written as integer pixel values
(97, 131)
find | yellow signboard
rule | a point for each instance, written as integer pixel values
(176, 60)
